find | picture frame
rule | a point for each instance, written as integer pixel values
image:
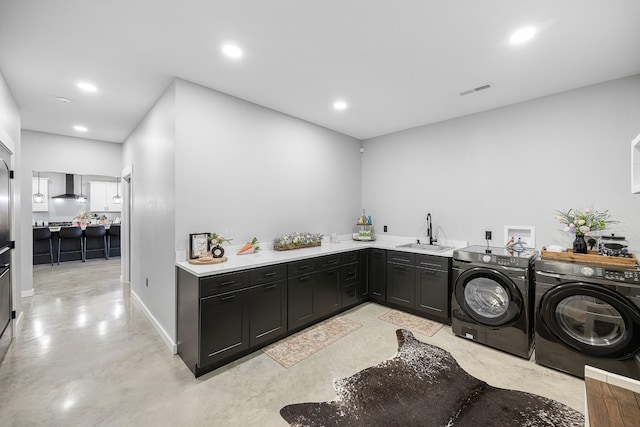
(198, 245)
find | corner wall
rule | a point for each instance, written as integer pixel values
(511, 166)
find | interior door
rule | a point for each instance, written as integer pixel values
(6, 307)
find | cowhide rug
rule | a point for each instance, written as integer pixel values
(423, 385)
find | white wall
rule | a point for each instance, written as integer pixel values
(150, 151)
(243, 170)
(10, 138)
(57, 153)
(511, 166)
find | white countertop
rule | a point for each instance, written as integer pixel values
(267, 257)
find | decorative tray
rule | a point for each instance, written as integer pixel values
(591, 257)
(198, 261)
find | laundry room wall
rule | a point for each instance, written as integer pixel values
(511, 166)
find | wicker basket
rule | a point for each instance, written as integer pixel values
(292, 246)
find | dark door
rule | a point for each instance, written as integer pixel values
(224, 326)
(432, 292)
(401, 284)
(592, 319)
(300, 301)
(327, 292)
(268, 319)
(377, 274)
(488, 296)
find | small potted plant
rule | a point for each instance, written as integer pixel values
(215, 244)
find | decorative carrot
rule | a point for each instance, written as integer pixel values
(249, 248)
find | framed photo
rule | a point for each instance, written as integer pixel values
(198, 245)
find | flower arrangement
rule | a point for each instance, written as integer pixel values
(217, 240)
(297, 240)
(582, 222)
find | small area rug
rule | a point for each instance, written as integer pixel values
(411, 322)
(423, 385)
(303, 344)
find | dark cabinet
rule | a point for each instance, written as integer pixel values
(224, 323)
(314, 290)
(352, 278)
(400, 278)
(300, 301)
(378, 274)
(268, 312)
(433, 288)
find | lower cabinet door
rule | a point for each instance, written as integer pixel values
(268, 307)
(300, 301)
(377, 274)
(350, 294)
(327, 295)
(401, 284)
(432, 292)
(224, 326)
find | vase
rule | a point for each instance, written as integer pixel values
(579, 245)
(218, 252)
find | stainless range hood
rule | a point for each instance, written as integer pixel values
(69, 190)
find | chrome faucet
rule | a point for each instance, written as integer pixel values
(430, 230)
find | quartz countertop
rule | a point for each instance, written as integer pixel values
(268, 256)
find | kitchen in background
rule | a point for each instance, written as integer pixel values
(74, 200)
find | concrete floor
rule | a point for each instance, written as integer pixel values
(87, 356)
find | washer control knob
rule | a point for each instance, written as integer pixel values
(486, 258)
(587, 271)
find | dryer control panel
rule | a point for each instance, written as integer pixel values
(627, 276)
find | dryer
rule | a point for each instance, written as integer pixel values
(587, 315)
(492, 301)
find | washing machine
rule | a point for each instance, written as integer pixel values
(493, 296)
(587, 315)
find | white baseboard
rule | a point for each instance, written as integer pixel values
(28, 293)
(154, 322)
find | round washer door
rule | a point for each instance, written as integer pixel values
(488, 296)
(592, 319)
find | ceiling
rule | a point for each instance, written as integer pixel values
(396, 64)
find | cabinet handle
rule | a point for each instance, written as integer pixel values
(228, 297)
(230, 282)
(270, 274)
(351, 273)
(266, 288)
(335, 261)
(304, 278)
(430, 264)
(397, 267)
(401, 259)
(304, 267)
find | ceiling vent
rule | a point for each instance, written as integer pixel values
(477, 89)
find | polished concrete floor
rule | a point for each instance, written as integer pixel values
(87, 356)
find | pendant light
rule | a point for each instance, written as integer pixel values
(81, 198)
(117, 199)
(38, 197)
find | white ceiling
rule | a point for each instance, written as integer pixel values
(398, 64)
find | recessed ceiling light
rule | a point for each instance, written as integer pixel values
(63, 100)
(80, 128)
(522, 35)
(339, 105)
(232, 51)
(87, 87)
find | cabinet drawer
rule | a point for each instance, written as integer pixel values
(329, 261)
(272, 273)
(401, 257)
(223, 283)
(350, 257)
(432, 261)
(350, 273)
(297, 268)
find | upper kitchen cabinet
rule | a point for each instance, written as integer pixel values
(40, 185)
(101, 196)
(635, 165)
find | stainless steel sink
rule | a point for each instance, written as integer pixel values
(425, 247)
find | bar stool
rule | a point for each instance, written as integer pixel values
(95, 233)
(113, 233)
(39, 235)
(70, 233)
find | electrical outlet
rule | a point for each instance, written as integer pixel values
(487, 235)
(384, 228)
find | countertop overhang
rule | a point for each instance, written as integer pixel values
(267, 257)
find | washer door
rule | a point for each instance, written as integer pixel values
(488, 296)
(592, 319)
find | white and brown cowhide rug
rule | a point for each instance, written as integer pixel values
(423, 385)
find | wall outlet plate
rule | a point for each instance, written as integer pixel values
(487, 235)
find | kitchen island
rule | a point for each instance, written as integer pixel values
(227, 310)
(40, 247)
